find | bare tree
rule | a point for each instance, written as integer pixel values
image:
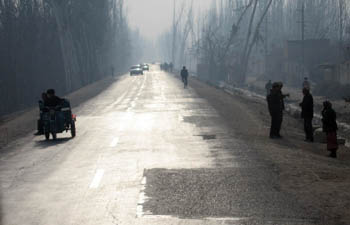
(62, 44)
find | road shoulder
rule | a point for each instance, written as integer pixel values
(20, 124)
(304, 169)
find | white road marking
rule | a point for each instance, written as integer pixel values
(139, 211)
(126, 120)
(114, 142)
(97, 179)
(113, 104)
(142, 199)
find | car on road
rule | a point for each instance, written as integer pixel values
(145, 67)
(136, 70)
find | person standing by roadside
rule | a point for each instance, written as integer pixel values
(275, 106)
(268, 87)
(306, 83)
(184, 76)
(307, 113)
(330, 127)
(275, 101)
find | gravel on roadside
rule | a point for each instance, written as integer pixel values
(304, 169)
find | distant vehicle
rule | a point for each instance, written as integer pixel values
(145, 67)
(136, 70)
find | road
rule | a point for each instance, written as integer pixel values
(147, 151)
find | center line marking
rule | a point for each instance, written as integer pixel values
(114, 142)
(97, 179)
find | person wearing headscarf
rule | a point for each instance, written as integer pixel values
(330, 127)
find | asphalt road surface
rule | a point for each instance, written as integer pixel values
(147, 151)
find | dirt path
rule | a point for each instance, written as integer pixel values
(304, 168)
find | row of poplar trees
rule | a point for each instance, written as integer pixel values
(61, 44)
(232, 34)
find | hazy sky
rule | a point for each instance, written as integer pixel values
(152, 17)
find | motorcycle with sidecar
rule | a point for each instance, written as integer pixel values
(58, 119)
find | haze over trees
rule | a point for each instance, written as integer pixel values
(61, 44)
(234, 37)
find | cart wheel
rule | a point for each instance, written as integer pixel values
(72, 129)
(54, 135)
(47, 135)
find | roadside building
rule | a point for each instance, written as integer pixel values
(339, 73)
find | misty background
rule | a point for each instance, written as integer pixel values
(68, 44)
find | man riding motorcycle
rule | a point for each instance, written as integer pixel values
(52, 99)
(49, 99)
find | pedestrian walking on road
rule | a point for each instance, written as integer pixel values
(112, 71)
(184, 76)
(330, 127)
(268, 87)
(306, 83)
(307, 113)
(276, 107)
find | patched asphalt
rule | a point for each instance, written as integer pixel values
(147, 151)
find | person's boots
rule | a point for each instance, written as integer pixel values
(38, 133)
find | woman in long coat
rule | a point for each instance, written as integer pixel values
(330, 127)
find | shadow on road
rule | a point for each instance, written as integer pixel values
(50, 143)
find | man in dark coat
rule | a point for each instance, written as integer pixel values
(307, 113)
(275, 106)
(52, 100)
(184, 76)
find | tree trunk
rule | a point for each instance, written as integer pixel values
(68, 48)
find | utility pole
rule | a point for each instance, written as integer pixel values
(302, 50)
(266, 41)
(341, 28)
(303, 37)
(174, 35)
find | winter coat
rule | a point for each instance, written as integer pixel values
(329, 120)
(307, 107)
(275, 103)
(53, 101)
(184, 73)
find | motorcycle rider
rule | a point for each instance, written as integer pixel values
(49, 99)
(52, 99)
(184, 76)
